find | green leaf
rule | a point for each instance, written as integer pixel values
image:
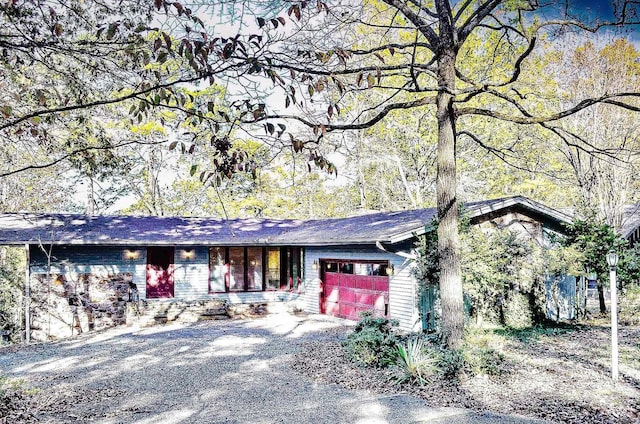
(111, 32)
(6, 111)
(370, 80)
(193, 170)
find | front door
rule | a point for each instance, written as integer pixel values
(160, 272)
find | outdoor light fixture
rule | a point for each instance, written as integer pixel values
(612, 260)
(188, 254)
(314, 266)
(390, 270)
(131, 254)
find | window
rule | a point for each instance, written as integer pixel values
(331, 267)
(254, 268)
(362, 268)
(346, 268)
(273, 272)
(236, 268)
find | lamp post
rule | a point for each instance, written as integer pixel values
(612, 260)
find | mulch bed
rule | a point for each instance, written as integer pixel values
(561, 378)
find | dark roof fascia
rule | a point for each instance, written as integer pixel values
(483, 211)
(128, 243)
(552, 218)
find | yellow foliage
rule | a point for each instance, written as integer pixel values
(148, 128)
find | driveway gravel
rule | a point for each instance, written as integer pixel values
(236, 371)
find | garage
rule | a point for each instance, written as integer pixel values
(351, 287)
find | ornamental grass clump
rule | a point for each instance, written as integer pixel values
(373, 342)
(415, 363)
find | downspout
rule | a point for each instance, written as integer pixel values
(27, 296)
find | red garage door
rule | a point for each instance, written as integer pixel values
(349, 288)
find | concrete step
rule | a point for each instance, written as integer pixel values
(147, 313)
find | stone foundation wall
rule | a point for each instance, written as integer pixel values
(64, 305)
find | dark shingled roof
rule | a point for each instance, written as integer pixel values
(385, 227)
(631, 221)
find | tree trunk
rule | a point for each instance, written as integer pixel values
(446, 182)
(91, 200)
(603, 306)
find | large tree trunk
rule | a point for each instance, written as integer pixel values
(448, 246)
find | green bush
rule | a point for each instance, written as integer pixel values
(479, 355)
(373, 342)
(518, 312)
(450, 362)
(482, 360)
(630, 306)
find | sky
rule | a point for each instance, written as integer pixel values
(603, 8)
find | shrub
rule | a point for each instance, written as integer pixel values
(414, 362)
(373, 342)
(450, 362)
(518, 312)
(482, 360)
(630, 306)
(14, 401)
(479, 355)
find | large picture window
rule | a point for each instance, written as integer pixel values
(254, 268)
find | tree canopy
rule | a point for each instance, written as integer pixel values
(295, 76)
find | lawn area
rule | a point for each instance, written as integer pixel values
(560, 374)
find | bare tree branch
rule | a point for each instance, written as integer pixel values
(555, 116)
(75, 152)
(418, 22)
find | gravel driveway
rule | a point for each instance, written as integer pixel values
(210, 372)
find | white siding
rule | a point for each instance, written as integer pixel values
(402, 293)
(191, 273)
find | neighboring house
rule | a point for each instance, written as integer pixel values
(339, 266)
(631, 224)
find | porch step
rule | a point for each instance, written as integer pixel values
(146, 313)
